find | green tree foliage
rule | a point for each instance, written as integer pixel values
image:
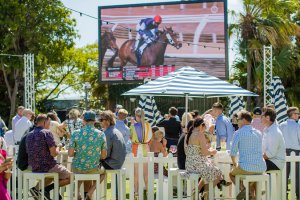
(266, 22)
(43, 28)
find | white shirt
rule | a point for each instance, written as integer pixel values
(55, 131)
(9, 138)
(274, 146)
(21, 127)
(15, 119)
(291, 132)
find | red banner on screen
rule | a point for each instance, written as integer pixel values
(137, 73)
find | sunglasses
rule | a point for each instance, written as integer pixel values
(101, 120)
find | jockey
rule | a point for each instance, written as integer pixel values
(147, 32)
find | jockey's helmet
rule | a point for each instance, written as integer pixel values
(157, 19)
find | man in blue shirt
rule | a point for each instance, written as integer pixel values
(248, 142)
(123, 128)
(291, 132)
(224, 128)
(147, 30)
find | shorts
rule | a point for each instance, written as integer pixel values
(271, 165)
(88, 171)
(63, 172)
(239, 171)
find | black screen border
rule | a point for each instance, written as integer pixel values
(156, 4)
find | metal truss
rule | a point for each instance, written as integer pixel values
(268, 67)
(29, 81)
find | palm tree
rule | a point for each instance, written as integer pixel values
(262, 22)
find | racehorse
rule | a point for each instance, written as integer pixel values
(108, 41)
(154, 53)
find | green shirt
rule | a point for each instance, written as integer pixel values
(88, 143)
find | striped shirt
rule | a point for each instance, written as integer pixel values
(248, 142)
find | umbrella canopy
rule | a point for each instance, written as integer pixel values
(278, 99)
(188, 81)
(147, 103)
(236, 102)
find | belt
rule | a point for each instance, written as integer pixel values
(140, 143)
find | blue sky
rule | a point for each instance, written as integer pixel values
(87, 27)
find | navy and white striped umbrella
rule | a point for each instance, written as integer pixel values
(190, 82)
(236, 102)
(278, 99)
(147, 103)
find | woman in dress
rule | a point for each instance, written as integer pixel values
(141, 134)
(196, 156)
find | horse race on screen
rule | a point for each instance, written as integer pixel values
(149, 40)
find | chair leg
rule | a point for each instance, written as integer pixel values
(258, 190)
(170, 185)
(26, 188)
(123, 185)
(179, 188)
(211, 190)
(237, 185)
(105, 187)
(56, 187)
(196, 189)
(71, 191)
(43, 188)
(247, 190)
(76, 189)
(98, 189)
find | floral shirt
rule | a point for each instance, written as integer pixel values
(38, 144)
(73, 125)
(88, 143)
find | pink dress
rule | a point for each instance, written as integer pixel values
(4, 195)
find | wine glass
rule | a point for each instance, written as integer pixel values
(8, 159)
(11, 152)
(173, 149)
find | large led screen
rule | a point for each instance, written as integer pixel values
(152, 40)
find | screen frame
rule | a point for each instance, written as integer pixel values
(156, 4)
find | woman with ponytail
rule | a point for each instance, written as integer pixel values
(141, 134)
(196, 156)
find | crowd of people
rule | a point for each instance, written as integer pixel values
(259, 140)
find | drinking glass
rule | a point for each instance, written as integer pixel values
(173, 149)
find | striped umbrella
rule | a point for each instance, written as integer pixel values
(189, 82)
(278, 99)
(147, 103)
(236, 102)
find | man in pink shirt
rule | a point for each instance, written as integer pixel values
(256, 122)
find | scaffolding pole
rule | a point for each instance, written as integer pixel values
(29, 81)
(268, 67)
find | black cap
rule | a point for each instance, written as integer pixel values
(257, 111)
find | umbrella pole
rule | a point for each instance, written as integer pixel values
(186, 108)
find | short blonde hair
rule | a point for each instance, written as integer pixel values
(74, 113)
(27, 111)
(122, 114)
(158, 135)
